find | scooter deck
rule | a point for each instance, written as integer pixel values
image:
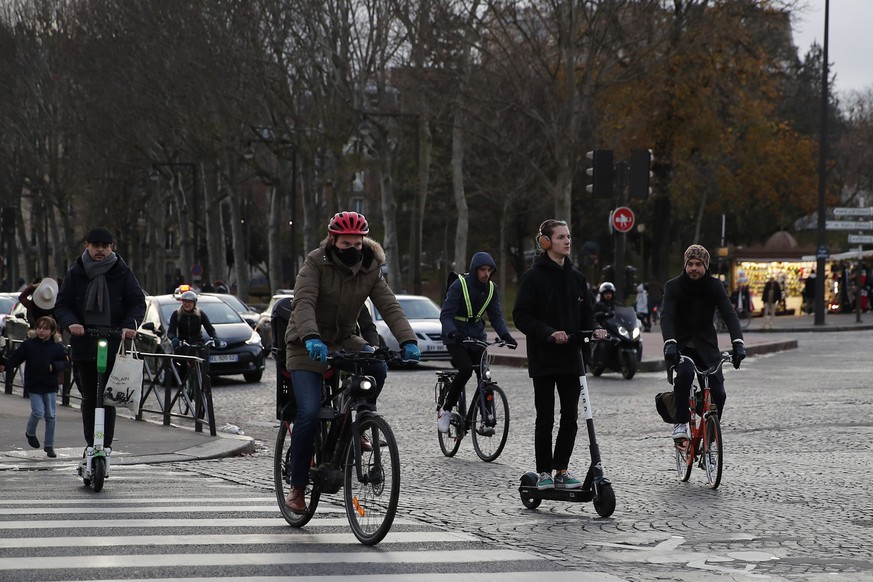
(557, 494)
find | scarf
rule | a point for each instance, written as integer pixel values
(97, 311)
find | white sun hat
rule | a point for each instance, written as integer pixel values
(46, 293)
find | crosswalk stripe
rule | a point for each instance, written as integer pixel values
(134, 523)
(564, 575)
(264, 559)
(119, 500)
(298, 536)
(193, 508)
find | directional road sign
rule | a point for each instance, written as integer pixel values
(853, 211)
(623, 219)
(849, 225)
(860, 239)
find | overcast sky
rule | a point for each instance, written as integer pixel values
(850, 41)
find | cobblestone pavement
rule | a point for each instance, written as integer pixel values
(794, 502)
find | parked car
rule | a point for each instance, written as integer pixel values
(263, 326)
(244, 353)
(8, 301)
(246, 312)
(424, 317)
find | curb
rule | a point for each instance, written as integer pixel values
(659, 365)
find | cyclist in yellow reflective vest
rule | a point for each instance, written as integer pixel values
(468, 298)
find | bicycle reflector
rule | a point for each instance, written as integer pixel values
(360, 386)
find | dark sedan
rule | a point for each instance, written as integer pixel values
(244, 353)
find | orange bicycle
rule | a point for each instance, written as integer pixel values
(705, 445)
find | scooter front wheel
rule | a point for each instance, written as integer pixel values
(98, 473)
(604, 500)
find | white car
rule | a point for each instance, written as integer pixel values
(424, 317)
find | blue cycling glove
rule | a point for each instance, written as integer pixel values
(410, 352)
(317, 350)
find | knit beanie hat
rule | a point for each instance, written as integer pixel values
(699, 253)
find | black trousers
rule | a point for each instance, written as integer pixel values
(86, 380)
(544, 401)
(465, 360)
(682, 390)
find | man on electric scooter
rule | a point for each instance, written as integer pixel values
(690, 301)
(468, 298)
(99, 290)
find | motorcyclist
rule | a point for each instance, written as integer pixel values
(605, 305)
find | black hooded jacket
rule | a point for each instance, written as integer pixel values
(553, 298)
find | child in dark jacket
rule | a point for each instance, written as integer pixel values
(45, 356)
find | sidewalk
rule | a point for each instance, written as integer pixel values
(136, 442)
(783, 336)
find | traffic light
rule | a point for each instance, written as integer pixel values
(640, 174)
(601, 172)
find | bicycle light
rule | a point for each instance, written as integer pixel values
(488, 375)
(360, 386)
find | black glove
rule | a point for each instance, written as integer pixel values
(671, 353)
(510, 342)
(739, 354)
(457, 336)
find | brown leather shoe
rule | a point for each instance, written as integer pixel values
(366, 445)
(296, 500)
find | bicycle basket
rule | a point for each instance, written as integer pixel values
(665, 404)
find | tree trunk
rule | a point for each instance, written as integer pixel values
(461, 228)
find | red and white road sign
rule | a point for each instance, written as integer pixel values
(622, 219)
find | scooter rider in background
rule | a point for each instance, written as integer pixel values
(468, 298)
(605, 302)
(690, 301)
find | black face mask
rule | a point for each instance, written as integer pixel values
(349, 256)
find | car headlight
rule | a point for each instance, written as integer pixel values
(254, 340)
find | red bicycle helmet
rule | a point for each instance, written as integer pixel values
(348, 223)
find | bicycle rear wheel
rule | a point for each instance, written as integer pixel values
(491, 424)
(282, 479)
(712, 451)
(371, 503)
(450, 441)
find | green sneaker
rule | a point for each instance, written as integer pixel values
(545, 481)
(566, 480)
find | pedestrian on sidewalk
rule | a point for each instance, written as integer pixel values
(772, 296)
(45, 356)
(553, 301)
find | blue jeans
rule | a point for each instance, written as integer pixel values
(43, 406)
(307, 392)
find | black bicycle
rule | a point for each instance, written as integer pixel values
(368, 475)
(488, 415)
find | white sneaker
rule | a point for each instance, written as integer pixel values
(444, 420)
(680, 431)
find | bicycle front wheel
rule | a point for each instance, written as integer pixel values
(712, 451)
(282, 480)
(371, 501)
(491, 423)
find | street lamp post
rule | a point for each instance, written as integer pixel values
(822, 251)
(195, 219)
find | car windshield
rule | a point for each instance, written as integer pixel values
(6, 304)
(416, 308)
(234, 302)
(218, 312)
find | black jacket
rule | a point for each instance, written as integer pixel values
(186, 326)
(552, 298)
(455, 305)
(126, 307)
(44, 359)
(687, 312)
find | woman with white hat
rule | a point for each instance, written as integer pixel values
(39, 299)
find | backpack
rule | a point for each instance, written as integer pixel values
(286, 405)
(665, 403)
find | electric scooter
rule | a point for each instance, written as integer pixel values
(596, 487)
(95, 470)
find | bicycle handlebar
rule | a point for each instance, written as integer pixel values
(725, 357)
(579, 336)
(103, 331)
(364, 357)
(483, 343)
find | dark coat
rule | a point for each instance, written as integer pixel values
(454, 305)
(44, 359)
(126, 305)
(687, 315)
(553, 298)
(776, 289)
(186, 326)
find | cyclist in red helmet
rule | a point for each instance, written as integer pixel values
(330, 290)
